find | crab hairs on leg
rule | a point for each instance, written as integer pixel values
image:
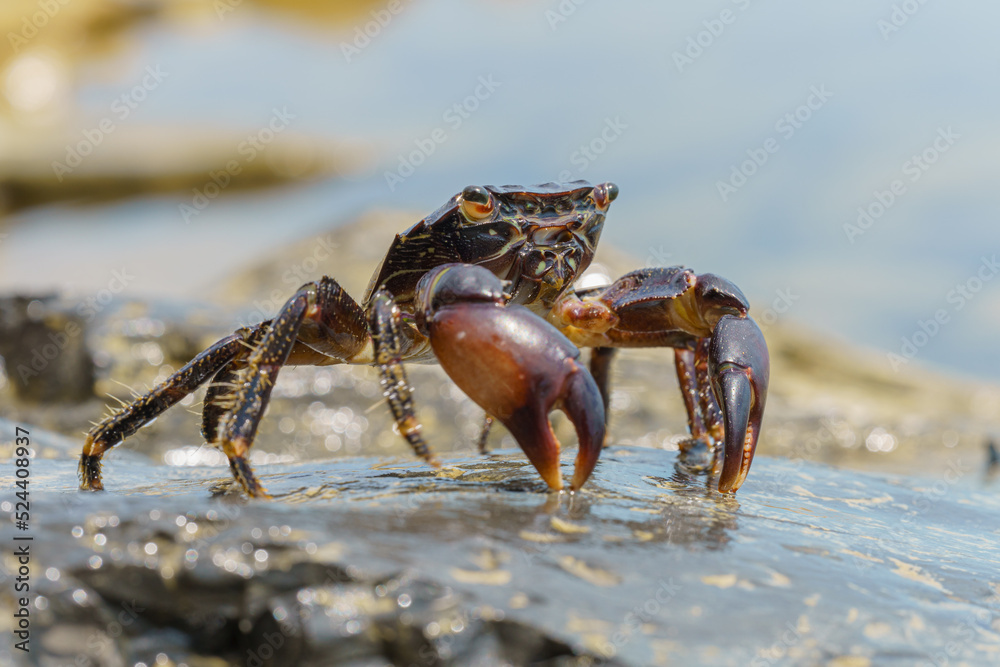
(513, 364)
(137, 414)
(235, 430)
(386, 326)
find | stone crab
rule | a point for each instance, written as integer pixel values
(485, 287)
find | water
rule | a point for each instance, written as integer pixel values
(606, 78)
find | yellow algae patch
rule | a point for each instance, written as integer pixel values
(589, 574)
(450, 473)
(587, 625)
(568, 527)
(487, 559)
(488, 578)
(853, 502)
(778, 579)
(914, 573)
(812, 600)
(720, 580)
(644, 510)
(850, 661)
(643, 535)
(519, 601)
(877, 630)
(545, 538)
(852, 615)
(858, 554)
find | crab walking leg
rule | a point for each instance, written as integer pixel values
(144, 409)
(237, 428)
(320, 315)
(600, 370)
(710, 411)
(688, 381)
(385, 322)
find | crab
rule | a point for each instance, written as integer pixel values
(485, 287)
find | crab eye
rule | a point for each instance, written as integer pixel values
(477, 203)
(605, 193)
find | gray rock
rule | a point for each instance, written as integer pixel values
(366, 561)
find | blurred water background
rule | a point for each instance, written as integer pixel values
(747, 138)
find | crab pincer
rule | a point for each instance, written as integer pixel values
(739, 367)
(513, 364)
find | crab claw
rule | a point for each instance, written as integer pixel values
(739, 366)
(513, 364)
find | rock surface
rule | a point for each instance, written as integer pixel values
(365, 561)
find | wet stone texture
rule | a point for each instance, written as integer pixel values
(366, 561)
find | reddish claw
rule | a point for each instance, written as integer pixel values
(513, 364)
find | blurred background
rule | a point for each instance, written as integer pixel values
(745, 136)
(172, 169)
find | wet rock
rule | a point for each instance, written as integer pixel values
(48, 361)
(367, 561)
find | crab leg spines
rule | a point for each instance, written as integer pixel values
(385, 323)
(236, 430)
(218, 398)
(740, 371)
(144, 409)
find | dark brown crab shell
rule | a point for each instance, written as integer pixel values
(538, 237)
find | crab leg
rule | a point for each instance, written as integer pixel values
(512, 364)
(600, 369)
(387, 330)
(244, 364)
(137, 414)
(238, 427)
(328, 310)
